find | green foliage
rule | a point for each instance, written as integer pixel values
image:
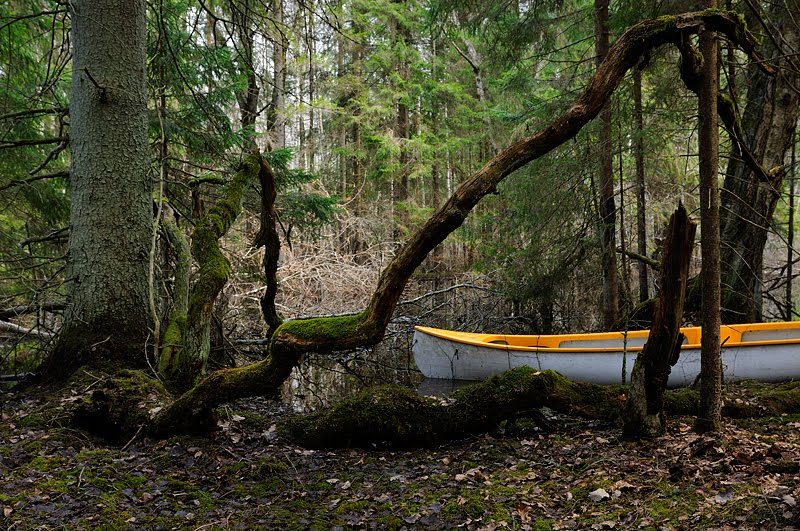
(34, 76)
(298, 204)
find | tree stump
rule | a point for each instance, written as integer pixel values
(644, 413)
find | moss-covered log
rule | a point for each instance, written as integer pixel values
(398, 417)
(291, 339)
(187, 338)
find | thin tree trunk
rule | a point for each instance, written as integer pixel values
(248, 97)
(610, 303)
(790, 239)
(276, 124)
(711, 362)
(641, 220)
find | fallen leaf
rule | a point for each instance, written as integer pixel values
(724, 497)
(599, 495)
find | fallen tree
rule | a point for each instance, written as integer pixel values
(395, 416)
(291, 339)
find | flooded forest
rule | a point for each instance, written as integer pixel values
(222, 220)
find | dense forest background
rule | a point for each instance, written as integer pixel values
(371, 114)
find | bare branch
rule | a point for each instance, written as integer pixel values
(25, 309)
(32, 142)
(59, 234)
(16, 329)
(30, 180)
(34, 112)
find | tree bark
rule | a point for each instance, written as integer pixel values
(711, 359)
(394, 416)
(107, 315)
(268, 238)
(641, 220)
(187, 340)
(748, 199)
(644, 410)
(293, 338)
(608, 226)
(247, 98)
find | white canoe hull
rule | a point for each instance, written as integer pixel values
(444, 358)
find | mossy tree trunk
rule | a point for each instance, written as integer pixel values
(293, 338)
(644, 411)
(188, 336)
(395, 416)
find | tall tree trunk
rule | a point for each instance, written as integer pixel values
(641, 221)
(276, 124)
(610, 309)
(111, 212)
(242, 16)
(748, 200)
(402, 131)
(711, 362)
(789, 308)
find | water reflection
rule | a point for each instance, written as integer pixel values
(323, 379)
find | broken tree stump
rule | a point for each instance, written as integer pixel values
(644, 412)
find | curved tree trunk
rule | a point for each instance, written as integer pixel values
(187, 340)
(107, 315)
(293, 338)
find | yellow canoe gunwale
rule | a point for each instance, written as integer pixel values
(730, 336)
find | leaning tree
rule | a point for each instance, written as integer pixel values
(107, 319)
(293, 338)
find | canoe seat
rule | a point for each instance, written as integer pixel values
(602, 343)
(771, 334)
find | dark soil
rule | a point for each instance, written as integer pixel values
(578, 476)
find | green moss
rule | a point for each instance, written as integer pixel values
(376, 416)
(269, 466)
(323, 328)
(682, 401)
(118, 407)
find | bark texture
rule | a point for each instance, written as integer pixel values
(111, 212)
(708, 143)
(748, 199)
(268, 238)
(397, 417)
(644, 411)
(293, 338)
(605, 184)
(641, 221)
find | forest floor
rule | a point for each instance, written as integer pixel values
(579, 476)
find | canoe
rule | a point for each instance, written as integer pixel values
(768, 352)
